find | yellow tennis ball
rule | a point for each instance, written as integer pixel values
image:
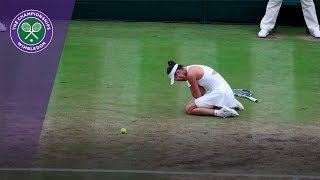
(123, 131)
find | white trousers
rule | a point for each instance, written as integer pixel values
(308, 8)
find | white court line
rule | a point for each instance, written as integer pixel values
(66, 170)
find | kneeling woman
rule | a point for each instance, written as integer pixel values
(213, 95)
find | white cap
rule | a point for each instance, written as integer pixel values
(172, 73)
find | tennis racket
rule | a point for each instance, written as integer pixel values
(36, 27)
(245, 94)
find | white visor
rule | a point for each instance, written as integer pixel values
(172, 73)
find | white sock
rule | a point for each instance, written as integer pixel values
(218, 113)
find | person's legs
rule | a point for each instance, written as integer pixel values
(269, 20)
(2, 27)
(192, 109)
(310, 17)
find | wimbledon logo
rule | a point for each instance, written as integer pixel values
(31, 31)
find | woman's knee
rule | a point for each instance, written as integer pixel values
(192, 105)
(189, 110)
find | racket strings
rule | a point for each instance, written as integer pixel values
(26, 27)
(36, 27)
(242, 92)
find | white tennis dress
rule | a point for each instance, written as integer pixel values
(218, 92)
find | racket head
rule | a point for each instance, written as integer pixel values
(242, 92)
(36, 27)
(26, 27)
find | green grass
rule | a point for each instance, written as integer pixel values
(113, 75)
(109, 67)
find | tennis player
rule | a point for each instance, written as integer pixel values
(212, 94)
(2, 27)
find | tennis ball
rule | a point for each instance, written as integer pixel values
(123, 131)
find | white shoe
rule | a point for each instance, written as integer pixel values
(239, 105)
(315, 33)
(263, 33)
(226, 112)
(2, 27)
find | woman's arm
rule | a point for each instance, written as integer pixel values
(202, 90)
(194, 88)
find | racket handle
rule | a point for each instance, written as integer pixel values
(253, 99)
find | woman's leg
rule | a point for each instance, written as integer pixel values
(192, 109)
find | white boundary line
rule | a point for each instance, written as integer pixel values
(295, 177)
